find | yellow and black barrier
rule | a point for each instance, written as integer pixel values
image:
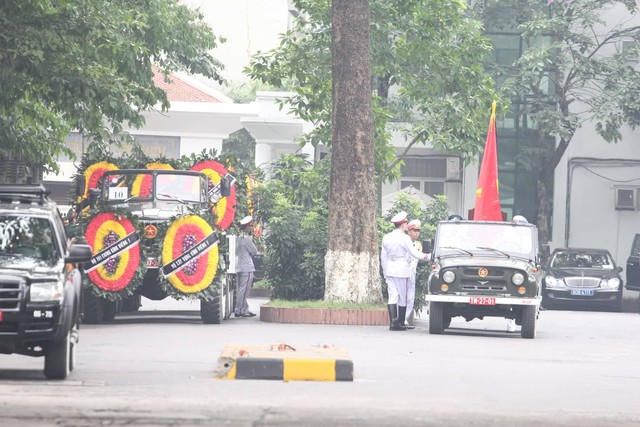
(284, 362)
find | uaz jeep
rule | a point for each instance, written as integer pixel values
(481, 269)
(40, 286)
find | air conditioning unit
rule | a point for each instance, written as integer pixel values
(625, 199)
(454, 172)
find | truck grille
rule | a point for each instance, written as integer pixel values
(582, 282)
(10, 294)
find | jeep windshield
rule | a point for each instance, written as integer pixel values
(27, 242)
(157, 190)
(469, 238)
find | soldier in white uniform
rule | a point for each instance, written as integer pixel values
(413, 230)
(397, 251)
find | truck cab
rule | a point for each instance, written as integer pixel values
(484, 269)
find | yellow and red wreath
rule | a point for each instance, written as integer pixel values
(225, 209)
(141, 186)
(102, 232)
(93, 174)
(182, 235)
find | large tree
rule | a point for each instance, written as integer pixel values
(428, 83)
(88, 65)
(572, 72)
(352, 268)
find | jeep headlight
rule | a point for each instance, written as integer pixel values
(517, 279)
(448, 276)
(611, 283)
(552, 282)
(46, 291)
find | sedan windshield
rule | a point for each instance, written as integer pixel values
(597, 260)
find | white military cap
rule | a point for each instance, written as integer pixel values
(414, 223)
(246, 220)
(400, 217)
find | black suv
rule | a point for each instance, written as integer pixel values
(39, 284)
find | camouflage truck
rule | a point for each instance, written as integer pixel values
(485, 269)
(157, 233)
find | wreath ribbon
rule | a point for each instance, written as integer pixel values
(190, 254)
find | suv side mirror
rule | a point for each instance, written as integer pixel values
(78, 253)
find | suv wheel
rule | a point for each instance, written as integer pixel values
(528, 329)
(57, 359)
(436, 317)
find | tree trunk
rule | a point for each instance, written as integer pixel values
(352, 266)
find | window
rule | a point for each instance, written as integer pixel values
(427, 174)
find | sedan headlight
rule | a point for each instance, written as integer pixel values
(611, 283)
(448, 276)
(552, 282)
(517, 279)
(46, 291)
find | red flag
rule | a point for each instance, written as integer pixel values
(487, 195)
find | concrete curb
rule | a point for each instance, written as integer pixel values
(324, 316)
(284, 362)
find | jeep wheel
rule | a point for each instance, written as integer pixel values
(436, 317)
(528, 329)
(212, 312)
(57, 358)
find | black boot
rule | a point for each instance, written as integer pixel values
(402, 315)
(393, 313)
(397, 324)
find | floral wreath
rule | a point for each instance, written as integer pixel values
(225, 209)
(93, 174)
(117, 274)
(182, 235)
(141, 186)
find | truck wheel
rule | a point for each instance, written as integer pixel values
(212, 312)
(436, 317)
(132, 303)
(528, 329)
(109, 310)
(57, 358)
(92, 310)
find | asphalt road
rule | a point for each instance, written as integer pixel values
(156, 369)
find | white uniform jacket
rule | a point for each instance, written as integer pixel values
(396, 254)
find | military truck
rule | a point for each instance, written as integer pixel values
(485, 269)
(152, 235)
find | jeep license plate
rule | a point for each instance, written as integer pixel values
(153, 263)
(482, 301)
(582, 292)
